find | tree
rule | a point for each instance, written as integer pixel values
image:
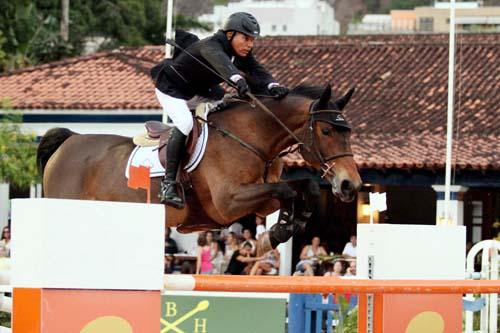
(17, 151)
(409, 4)
(31, 28)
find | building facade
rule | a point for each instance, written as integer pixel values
(398, 115)
(281, 17)
(471, 17)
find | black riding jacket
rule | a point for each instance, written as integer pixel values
(183, 77)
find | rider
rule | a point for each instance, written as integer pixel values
(177, 80)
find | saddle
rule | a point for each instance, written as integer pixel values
(158, 134)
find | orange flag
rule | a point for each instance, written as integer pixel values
(139, 177)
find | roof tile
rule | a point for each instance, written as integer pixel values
(398, 112)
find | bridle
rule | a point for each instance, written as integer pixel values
(312, 145)
(314, 117)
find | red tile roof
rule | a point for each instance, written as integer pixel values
(398, 112)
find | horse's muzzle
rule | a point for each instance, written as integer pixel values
(347, 189)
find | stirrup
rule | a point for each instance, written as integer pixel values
(176, 201)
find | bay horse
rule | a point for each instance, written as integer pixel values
(230, 181)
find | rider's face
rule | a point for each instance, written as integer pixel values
(241, 43)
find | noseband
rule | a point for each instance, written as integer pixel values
(334, 118)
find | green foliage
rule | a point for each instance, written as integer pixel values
(17, 151)
(30, 29)
(351, 321)
(341, 315)
(31, 34)
(409, 4)
(4, 319)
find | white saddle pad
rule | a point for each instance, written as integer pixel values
(148, 156)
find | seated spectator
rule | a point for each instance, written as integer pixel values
(231, 246)
(308, 257)
(215, 252)
(270, 264)
(260, 226)
(240, 260)
(351, 269)
(248, 238)
(350, 248)
(5, 242)
(170, 244)
(169, 264)
(187, 268)
(203, 263)
(337, 269)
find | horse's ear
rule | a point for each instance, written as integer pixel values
(325, 96)
(342, 101)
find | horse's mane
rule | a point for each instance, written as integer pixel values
(304, 90)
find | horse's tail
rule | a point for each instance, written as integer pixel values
(52, 140)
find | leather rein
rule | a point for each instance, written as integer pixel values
(325, 166)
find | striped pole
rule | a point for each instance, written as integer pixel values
(320, 284)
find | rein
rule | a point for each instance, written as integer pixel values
(325, 167)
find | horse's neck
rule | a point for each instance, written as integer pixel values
(257, 128)
(293, 112)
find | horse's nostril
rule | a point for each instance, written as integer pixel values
(347, 187)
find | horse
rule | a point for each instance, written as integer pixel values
(233, 179)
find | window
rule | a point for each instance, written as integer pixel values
(273, 28)
(477, 221)
(427, 24)
(284, 28)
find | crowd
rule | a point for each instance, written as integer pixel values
(315, 260)
(232, 251)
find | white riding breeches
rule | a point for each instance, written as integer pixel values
(177, 110)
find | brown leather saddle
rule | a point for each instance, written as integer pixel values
(156, 130)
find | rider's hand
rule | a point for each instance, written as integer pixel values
(278, 91)
(242, 87)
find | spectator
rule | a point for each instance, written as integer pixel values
(231, 246)
(351, 270)
(248, 238)
(240, 260)
(337, 269)
(260, 226)
(350, 248)
(308, 257)
(268, 265)
(170, 244)
(215, 252)
(236, 228)
(5, 242)
(203, 262)
(169, 264)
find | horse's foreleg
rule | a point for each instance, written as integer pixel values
(302, 208)
(308, 192)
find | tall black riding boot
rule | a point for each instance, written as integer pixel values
(168, 190)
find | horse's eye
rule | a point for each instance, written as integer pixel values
(325, 131)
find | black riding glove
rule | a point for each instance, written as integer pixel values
(242, 87)
(278, 92)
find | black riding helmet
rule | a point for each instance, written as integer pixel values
(244, 23)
